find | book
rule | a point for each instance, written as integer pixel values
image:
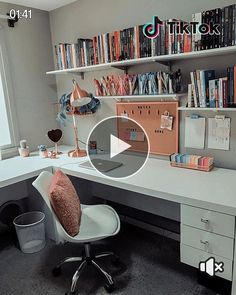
(212, 93)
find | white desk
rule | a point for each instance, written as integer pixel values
(212, 191)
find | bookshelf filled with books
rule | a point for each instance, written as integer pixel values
(131, 47)
(212, 29)
(207, 91)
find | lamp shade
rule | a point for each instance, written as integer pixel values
(79, 97)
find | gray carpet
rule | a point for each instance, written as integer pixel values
(151, 267)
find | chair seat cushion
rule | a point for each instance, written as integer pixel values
(97, 221)
(65, 202)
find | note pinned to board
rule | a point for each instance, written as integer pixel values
(125, 117)
(195, 132)
(219, 133)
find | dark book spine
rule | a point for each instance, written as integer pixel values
(108, 47)
(230, 74)
(79, 52)
(217, 21)
(212, 37)
(203, 38)
(226, 27)
(141, 40)
(207, 36)
(233, 25)
(129, 44)
(163, 40)
(222, 27)
(225, 93)
(230, 25)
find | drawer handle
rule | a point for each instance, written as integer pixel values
(204, 220)
(206, 243)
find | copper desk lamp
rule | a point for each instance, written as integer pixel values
(79, 98)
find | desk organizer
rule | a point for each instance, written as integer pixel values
(194, 162)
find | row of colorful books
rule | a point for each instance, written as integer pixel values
(226, 18)
(141, 84)
(127, 44)
(207, 91)
(131, 43)
(192, 162)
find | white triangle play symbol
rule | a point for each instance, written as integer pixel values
(117, 146)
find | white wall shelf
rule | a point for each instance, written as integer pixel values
(207, 109)
(146, 96)
(163, 59)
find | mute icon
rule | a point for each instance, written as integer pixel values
(211, 267)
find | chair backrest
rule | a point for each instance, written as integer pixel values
(42, 184)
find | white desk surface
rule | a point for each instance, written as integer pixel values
(215, 190)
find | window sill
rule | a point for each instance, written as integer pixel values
(8, 153)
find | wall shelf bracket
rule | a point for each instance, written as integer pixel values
(168, 64)
(81, 74)
(123, 68)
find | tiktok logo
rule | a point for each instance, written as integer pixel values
(152, 30)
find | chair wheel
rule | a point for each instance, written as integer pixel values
(115, 261)
(56, 272)
(109, 288)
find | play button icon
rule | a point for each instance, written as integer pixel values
(118, 147)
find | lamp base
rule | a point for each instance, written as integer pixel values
(77, 153)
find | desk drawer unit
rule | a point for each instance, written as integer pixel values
(207, 242)
(206, 234)
(193, 257)
(207, 220)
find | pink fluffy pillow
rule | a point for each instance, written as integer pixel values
(65, 202)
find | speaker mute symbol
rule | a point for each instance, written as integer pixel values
(211, 267)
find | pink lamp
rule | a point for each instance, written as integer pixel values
(79, 98)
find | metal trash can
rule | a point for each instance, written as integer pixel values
(30, 229)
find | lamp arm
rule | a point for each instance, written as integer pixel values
(75, 132)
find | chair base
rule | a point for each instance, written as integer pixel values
(86, 260)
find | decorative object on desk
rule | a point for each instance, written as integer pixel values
(79, 98)
(167, 121)
(52, 155)
(55, 136)
(24, 149)
(192, 162)
(43, 152)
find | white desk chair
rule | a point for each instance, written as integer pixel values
(97, 222)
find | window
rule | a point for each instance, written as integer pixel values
(7, 114)
(5, 136)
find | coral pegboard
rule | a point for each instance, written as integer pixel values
(148, 115)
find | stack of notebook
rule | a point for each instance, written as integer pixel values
(192, 162)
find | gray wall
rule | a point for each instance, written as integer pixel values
(30, 56)
(87, 18)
